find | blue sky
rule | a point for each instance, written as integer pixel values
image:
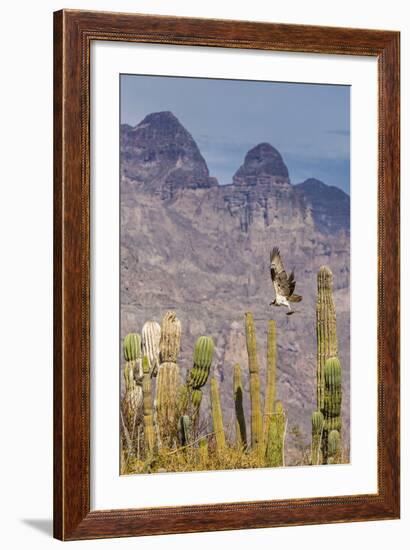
(309, 124)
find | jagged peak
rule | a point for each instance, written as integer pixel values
(159, 151)
(263, 164)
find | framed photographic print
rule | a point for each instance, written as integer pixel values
(226, 275)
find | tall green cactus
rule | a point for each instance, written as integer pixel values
(147, 408)
(270, 395)
(151, 336)
(241, 442)
(332, 403)
(275, 448)
(191, 395)
(168, 380)
(254, 382)
(217, 418)
(327, 345)
(317, 429)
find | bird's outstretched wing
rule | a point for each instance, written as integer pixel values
(292, 283)
(283, 285)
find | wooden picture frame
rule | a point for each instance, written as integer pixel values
(74, 32)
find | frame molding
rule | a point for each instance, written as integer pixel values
(73, 33)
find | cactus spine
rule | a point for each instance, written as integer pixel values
(168, 379)
(147, 407)
(325, 328)
(217, 418)
(256, 415)
(151, 335)
(240, 423)
(275, 448)
(270, 396)
(317, 429)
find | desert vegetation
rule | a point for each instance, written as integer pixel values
(163, 428)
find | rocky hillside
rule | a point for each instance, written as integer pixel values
(190, 244)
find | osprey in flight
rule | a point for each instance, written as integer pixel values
(284, 286)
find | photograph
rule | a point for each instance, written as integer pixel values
(234, 340)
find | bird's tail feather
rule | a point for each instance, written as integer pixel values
(295, 298)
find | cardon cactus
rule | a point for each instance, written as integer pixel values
(332, 403)
(217, 418)
(240, 423)
(317, 422)
(150, 336)
(131, 406)
(254, 382)
(333, 447)
(203, 354)
(184, 429)
(196, 397)
(275, 447)
(327, 345)
(132, 347)
(190, 396)
(270, 395)
(132, 400)
(317, 429)
(132, 353)
(149, 433)
(168, 380)
(170, 338)
(333, 388)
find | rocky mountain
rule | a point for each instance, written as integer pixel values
(159, 153)
(190, 244)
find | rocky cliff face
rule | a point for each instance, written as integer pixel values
(202, 249)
